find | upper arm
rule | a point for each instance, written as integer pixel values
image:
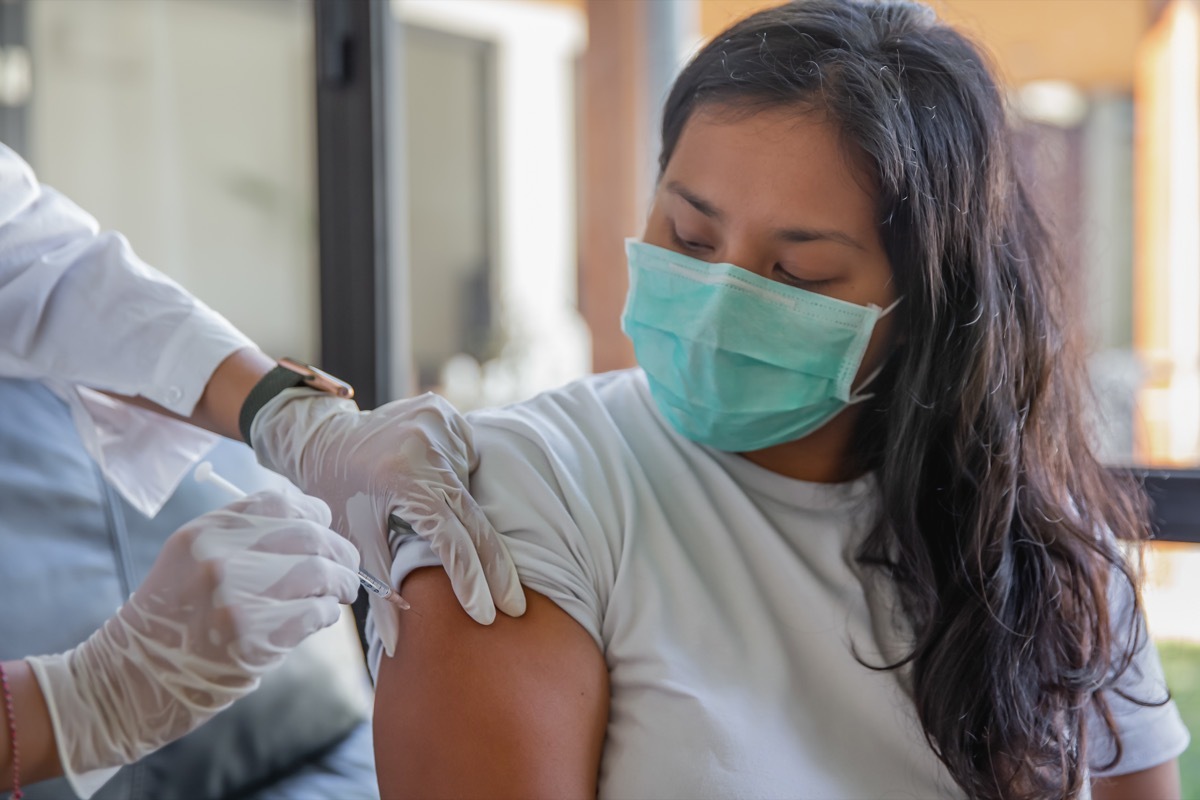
(514, 709)
(1160, 782)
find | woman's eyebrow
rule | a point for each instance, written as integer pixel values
(785, 234)
(700, 204)
(809, 235)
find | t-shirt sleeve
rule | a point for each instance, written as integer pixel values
(537, 480)
(1147, 721)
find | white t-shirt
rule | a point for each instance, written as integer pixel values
(727, 603)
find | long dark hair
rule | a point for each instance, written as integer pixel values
(997, 523)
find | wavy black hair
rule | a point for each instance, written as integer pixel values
(997, 523)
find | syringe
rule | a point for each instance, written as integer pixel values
(205, 473)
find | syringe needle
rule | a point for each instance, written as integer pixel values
(205, 473)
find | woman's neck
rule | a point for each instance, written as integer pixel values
(821, 457)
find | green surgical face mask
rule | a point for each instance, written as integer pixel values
(736, 361)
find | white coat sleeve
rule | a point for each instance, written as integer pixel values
(78, 306)
(79, 309)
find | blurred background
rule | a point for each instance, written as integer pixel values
(432, 194)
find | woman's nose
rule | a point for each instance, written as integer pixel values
(747, 255)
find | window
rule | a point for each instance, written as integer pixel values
(188, 126)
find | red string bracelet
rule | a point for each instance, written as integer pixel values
(12, 735)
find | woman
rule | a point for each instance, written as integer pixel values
(842, 535)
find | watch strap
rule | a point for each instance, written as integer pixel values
(268, 387)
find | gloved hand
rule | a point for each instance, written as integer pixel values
(231, 593)
(410, 458)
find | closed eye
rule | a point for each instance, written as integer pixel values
(811, 284)
(690, 245)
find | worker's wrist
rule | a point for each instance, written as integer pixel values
(288, 374)
(227, 390)
(287, 425)
(35, 733)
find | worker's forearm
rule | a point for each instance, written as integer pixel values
(35, 735)
(227, 390)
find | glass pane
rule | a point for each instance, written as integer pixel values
(188, 126)
(1113, 161)
(450, 162)
(1166, 285)
(488, 108)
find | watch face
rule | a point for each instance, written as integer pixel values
(318, 379)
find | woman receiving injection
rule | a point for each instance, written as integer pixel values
(842, 534)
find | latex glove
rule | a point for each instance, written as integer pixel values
(231, 593)
(409, 458)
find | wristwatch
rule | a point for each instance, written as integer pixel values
(288, 374)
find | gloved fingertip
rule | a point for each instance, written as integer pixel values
(513, 604)
(328, 612)
(345, 552)
(505, 585)
(483, 614)
(349, 588)
(386, 623)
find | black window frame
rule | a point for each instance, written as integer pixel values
(356, 241)
(1174, 503)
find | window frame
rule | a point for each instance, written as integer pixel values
(357, 243)
(1175, 503)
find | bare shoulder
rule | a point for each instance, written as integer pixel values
(515, 708)
(1160, 782)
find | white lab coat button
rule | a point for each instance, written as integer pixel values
(174, 394)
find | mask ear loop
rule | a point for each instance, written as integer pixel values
(859, 397)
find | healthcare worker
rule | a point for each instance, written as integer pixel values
(235, 590)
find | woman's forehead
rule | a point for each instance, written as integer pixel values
(775, 164)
